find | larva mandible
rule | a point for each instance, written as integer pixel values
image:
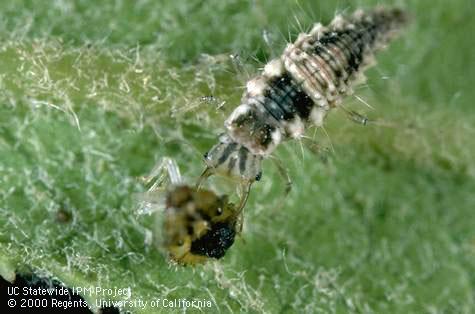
(299, 88)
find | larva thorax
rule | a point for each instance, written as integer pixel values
(299, 88)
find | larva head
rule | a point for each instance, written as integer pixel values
(233, 160)
(249, 125)
(198, 225)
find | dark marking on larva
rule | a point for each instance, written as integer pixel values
(245, 118)
(231, 164)
(329, 56)
(340, 46)
(324, 68)
(334, 64)
(339, 56)
(265, 137)
(322, 82)
(369, 33)
(313, 74)
(276, 101)
(272, 110)
(227, 151)
(242, 159)
(281, 90)
(354, 61)
(346, 40)
(295, 99)
(358, 40)
(303, 103)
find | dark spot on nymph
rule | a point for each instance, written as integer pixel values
(215, 242)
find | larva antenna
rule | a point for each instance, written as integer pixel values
(312, 145)
(361, 119)
(355, 116)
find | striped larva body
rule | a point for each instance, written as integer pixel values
(298, 89)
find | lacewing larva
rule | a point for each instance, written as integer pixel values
(299, 88)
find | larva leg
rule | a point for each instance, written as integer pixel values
(363, 120)
(284, 173)
(245, 189)
(356, 117)
(312, 145)
(322, 152)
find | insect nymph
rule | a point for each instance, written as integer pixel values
(196, 224)
(297, 89)
(199, 225)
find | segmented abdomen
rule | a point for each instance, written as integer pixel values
(311, 77)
